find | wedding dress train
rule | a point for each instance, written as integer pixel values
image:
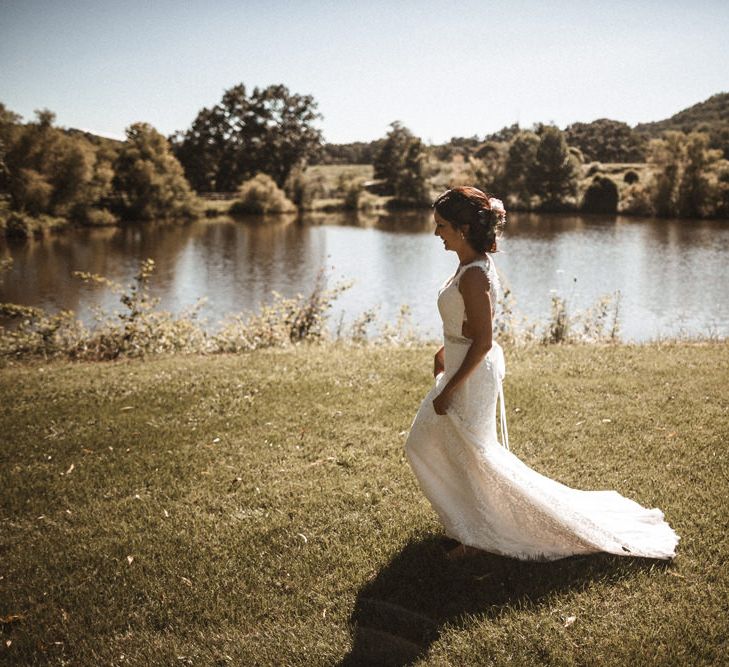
(485, 496)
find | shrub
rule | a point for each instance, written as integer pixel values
(140, 329)
(261, 196)
(599, 323)
(601, 197)
(23, 226)
(303, 187)
(98, 217)
(356, 198)
(637, 200)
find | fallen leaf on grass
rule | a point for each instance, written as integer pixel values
(70, 470)
(187, 581)
(126, 407)
(606, 421)
(130, 559)
(569, 621)
(8, 642)
(303, 537)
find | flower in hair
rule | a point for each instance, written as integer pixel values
(497, 205)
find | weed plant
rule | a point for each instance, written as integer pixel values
(141, 329)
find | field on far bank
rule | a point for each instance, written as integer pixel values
(258, 510)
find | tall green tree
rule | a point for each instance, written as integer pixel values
(553, 176)
(148, 179)
(9, 126)
(688, 176)
(520, 159)
(48, 171)
(489, 166)
(401, 163)
(270, 131)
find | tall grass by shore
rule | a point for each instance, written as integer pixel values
(141, 329)
(257, 509)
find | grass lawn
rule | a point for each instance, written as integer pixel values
(258, 510)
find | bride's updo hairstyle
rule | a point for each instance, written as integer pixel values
(477, 214)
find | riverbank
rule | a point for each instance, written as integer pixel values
(258, 509)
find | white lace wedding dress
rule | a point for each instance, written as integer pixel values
(485, 496)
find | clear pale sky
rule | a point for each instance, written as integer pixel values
(444, 69)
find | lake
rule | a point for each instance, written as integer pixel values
(673, 275)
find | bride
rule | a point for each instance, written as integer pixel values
(486, 498)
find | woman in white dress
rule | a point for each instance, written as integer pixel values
(485, 497)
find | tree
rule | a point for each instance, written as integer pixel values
(51, 172)
(9, 124)
(607, 140)
(149, 181)
(271, 131)
(553, 176)
(694, 189)
(665, 156)
(489, 166)
(401, 164)
(520, 159)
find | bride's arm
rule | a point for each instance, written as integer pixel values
(474, 287)
(439, 361)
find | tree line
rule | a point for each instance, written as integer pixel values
(66, 176)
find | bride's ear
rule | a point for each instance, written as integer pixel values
(464, 230)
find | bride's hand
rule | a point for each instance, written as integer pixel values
(441, 402)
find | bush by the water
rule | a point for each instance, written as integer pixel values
(19, 225)
(261, 196)
(601, 197)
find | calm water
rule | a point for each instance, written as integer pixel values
(673, 275)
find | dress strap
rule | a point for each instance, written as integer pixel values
(483, 263)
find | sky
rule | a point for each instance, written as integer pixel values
(443, 69)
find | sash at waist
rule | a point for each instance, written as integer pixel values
(457, 339)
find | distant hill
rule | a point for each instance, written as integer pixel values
(711, 116)
(701, 116)
(95, 139)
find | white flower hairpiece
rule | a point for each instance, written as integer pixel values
(497, 205)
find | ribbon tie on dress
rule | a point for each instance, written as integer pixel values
(500, 364)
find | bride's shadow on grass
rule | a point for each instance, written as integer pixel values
(400, 612)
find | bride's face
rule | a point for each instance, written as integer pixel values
(452, 238)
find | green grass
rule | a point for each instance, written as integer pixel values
(258, 510)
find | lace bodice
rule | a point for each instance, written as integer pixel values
(450, 302)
